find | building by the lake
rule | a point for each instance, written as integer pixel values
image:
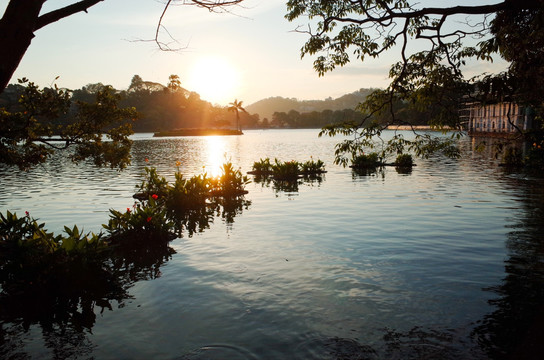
(496, 119)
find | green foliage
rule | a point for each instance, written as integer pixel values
(366, 161)
(45, 120)
(188, 194)
(262, 167)
(148, 217)
(165, 210)
(427, 83)
(288, 170)
(404, 160)
(153, 183)
(102, 130)
(29, 254)
(230, 183)
(25, 234)
(312, 167)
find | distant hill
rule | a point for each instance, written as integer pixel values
(266, 107)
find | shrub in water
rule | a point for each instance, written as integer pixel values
(32, 256)
(404, 160)
(366, 161)
(312, 167)
(262, 167)
(230, 183)
(288, 170)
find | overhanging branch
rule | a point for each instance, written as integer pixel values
(66, 11)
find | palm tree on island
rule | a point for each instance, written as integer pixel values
(236, 106)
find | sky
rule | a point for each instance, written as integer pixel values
(249, 54)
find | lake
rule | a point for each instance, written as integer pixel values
(444, 262)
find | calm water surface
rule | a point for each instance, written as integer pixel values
(442, 263)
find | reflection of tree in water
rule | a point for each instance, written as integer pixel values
(364, 172)
(63, 300)
(289, 186)
(514, 330)
(228, 208)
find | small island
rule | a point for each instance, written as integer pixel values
(198, 132)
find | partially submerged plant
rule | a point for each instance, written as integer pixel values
(312, 167)
(152, 184)
(262, 167)
(288, 170)
(404, 160)
(230, 183)
(34, 259)
(149, 216)
(366, 161)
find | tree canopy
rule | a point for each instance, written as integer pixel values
(30, 133)
(22, 19)
(45, 120)
(97, 119)
(435, 45)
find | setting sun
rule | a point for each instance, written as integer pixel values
(215, 79)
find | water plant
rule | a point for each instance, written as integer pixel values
(262, 167)
(288, 170)
(152, 184)
(187, 194)
(25, 233)
(404, 160)
(31, 255)
(149, 217)
(312, 167)
(230, 183)
(366, 161)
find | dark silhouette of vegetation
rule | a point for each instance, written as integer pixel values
(60, 282)
(287, 170)
(36, 122)
(236, 107)
(430, 77)
(22, 19)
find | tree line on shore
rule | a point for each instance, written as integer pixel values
(167, 107)
(160, 107)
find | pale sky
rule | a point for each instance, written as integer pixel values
(254, 50)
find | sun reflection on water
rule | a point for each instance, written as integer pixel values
(216, 155)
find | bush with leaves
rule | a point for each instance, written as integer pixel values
(30, 255)
(46, 121)
(230, 183)
(262, 167)
(148, 217)
(404, 160)
(366, 161)
(312, 167)
(288, 170)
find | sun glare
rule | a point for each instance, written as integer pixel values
(215, 79)
(216, 155)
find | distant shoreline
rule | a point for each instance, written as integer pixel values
(414, 127)
(198, 132)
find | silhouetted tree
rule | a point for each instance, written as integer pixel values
(22, 19)
(344, 30)
(236, 107)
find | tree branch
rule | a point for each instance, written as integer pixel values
(456, 10)
(66, 11)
